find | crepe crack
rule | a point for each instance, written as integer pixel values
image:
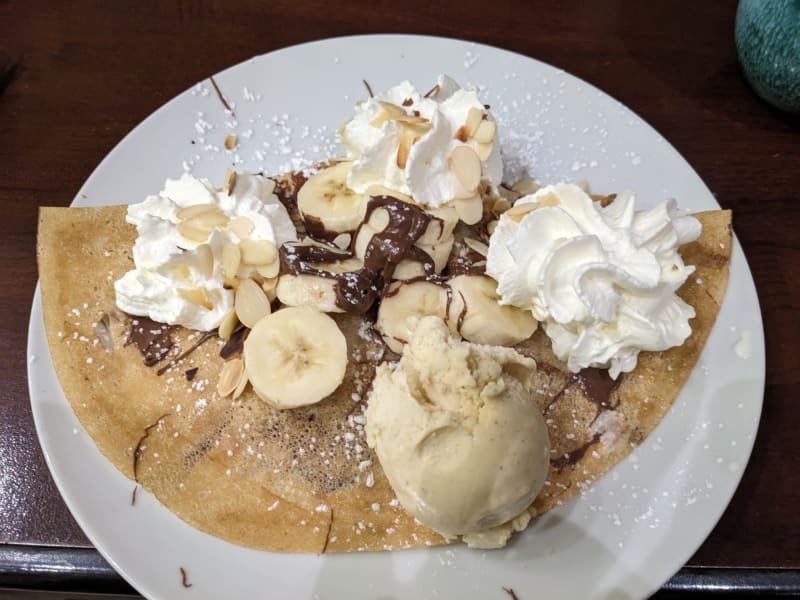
(137, 453)
(328, 534)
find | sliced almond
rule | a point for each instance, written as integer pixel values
(416, 121)
(210, 219)
(474, 119)
(270, 270)
(516, 213)
(525, 187)
(466, 166)
(270, 288)
(230, 182)
(484, 134)
(269, 284)
(195, 210)
(192, 231)
(205, 260)
(230, 141)
(342, 240)
(196, 296)
(483, 151)
(229, 376)
(501, 205)
(379, 219)
(251, 303)
(388, 112)
(242, 227)
(408, 138)
(241, 385)
(548, 200)
(228, 325)
(231, 259)
(469, 210)
(584, 185)
(491, 226)
(258, 252)
(103, 331)
(477, 246)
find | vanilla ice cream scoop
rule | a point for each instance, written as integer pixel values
(458, 432)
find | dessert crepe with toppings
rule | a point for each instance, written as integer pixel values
(304, 480)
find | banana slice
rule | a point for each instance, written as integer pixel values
(326, 197)
(441, 226)
(475, 314)
(438, 251)
(308, 290)
(295, 357)
(404, 300)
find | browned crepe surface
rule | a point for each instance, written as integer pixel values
(304, 480)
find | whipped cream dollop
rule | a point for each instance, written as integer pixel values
(459, 434)
(178, 279)
(601, 279)
(402, 140)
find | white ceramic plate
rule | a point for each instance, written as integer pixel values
(625, 536)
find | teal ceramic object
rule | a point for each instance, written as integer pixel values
(768, 43)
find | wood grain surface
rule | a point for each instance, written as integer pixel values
(76, 77)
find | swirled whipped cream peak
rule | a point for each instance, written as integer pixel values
(435, 147)
(602, 279)
(182, 254)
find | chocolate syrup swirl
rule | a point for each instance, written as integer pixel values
(356, 291)
(153, 339)
(597, 387)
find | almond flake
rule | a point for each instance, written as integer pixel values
(342, 240)
(258, 252)
(477, 246)
(270, 270)
(230, 141)
(469, 210)
(230, 182)
(103, 332)
(525, 187)
(195, 210)
(242, 227)
(484, 134)
(483, 150)
(474, 118)
(251, 303)
(229, 376)
(205, 260)
(231, 259)
(228, 325)
(379, 219)
(516, 213)
(241, 385)
(192, 231)
(466, 166)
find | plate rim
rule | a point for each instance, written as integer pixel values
(33, 322)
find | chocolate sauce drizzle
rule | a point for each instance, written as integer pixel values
(184, 578)
(356, 291)
(597, 387)
(153, 339)
(235, 344)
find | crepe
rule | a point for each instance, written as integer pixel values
(304, 480)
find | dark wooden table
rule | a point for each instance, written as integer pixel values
(81, 75)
